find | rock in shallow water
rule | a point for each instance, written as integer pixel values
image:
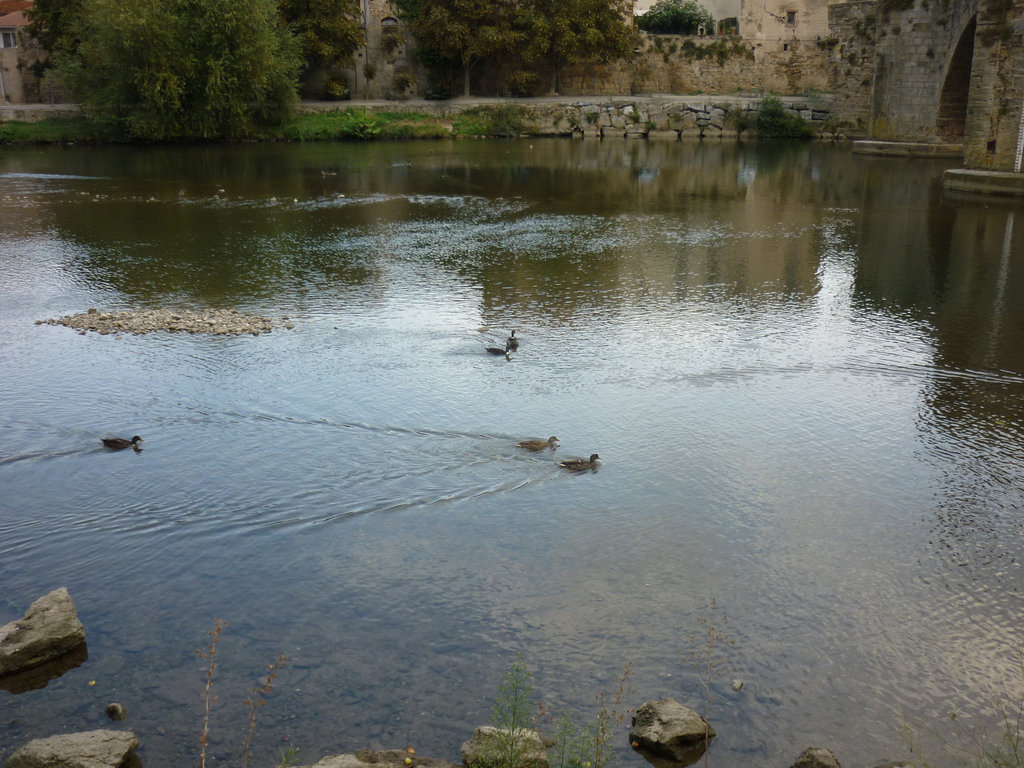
(49, 629)
(91, 749)
(665, 731)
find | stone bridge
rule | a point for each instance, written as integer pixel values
(934, 70)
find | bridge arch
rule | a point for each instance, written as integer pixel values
(951, 119)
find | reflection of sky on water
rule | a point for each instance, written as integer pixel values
(793, 420)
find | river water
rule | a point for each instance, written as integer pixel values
(803, 371)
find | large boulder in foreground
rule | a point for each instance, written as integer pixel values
(388, 758)
(490, 746)
(91, 749)
(50, 628)
(666, 732)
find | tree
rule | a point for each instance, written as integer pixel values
(676, 17)
(463, 31)
(329, 30)
(579, 31)
(51, 23)
(170, 69)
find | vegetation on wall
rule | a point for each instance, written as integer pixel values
(676, 17)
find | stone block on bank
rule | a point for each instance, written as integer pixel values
(49, 629)
(91, 749)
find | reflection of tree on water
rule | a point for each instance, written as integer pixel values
(545, 223)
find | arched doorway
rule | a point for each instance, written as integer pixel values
(952, 115)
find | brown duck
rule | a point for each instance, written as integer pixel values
(119, 443)
(578, 465)
(539, 445)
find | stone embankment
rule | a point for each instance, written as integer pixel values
(640, 116)
(218, 322)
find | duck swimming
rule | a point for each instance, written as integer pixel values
(512, 341)
(499, 350)
(578, 465)
(119, 443)
(538, 445)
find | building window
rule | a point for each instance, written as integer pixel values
(8, 39)
(791, 17)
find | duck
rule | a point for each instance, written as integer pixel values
(512, 341)
(119, 443)
(500, 350)
(578, 465)
(539, 445)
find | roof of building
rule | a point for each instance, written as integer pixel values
(17, 19)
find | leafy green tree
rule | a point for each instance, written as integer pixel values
(51, 23)
(181, 69)
(463, 32)
(329, 30)
(581, 31)
(676, 17)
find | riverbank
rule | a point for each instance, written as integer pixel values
(649, 116)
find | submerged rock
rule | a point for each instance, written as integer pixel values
(91, 749)
(218, 322)
(39, 676)
(816, 757)
(49, 629)
(666, 732)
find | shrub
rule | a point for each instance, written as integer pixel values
(774, 121)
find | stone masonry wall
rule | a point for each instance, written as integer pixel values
(851, 55)
(714, 65)
(995, 112)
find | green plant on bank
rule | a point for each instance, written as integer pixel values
(362, 125)
(59, 130)
(737, 118)
(709, 657)
(974, 746)
(502, 121)
(774, 121)
(512, 714)
(516, 711)
(288, 756)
